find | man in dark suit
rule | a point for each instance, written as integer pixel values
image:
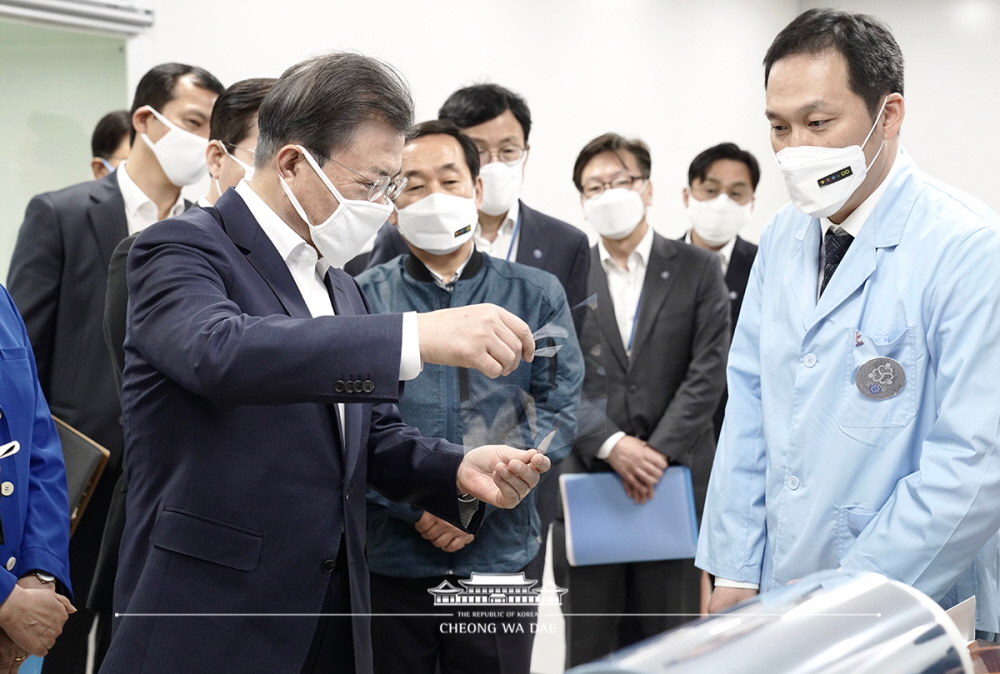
(258, 398)
(719, 200)
(662, 331)
(58, 277)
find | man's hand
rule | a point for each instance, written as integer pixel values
(500, 475)
(480, 336)
(443, 535)
(11, 655)
(724, 597)
(34, 618)
(639, 465)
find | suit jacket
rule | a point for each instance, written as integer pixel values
(667, 392)
(58, 276)
(240, 489)
(543, 243)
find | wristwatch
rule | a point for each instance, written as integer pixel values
(44, 576)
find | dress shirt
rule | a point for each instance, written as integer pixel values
(625, 288)
(725, 253)
(140, 210)
(851, 225)
(504, 246)
(204, 202)
(308, 270)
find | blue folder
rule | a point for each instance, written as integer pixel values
(605, 526)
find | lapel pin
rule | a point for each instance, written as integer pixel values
(880, 378)
(537, 253)
(733, 295)
(857, 339)
(664, 275)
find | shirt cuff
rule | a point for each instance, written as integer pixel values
(467, 510)
(605, 451)
(409, 359)
(722, 582)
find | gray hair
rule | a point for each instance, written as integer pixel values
(320, 103)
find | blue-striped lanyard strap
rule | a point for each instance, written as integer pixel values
(635, 319)
(513, 237)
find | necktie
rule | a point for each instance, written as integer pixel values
(834, 246)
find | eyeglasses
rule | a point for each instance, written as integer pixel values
(594, 189)
(508, 154)
(383, 187)
(235, 147)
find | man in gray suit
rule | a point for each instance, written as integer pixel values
(662, 332)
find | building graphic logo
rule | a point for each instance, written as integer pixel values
(496, 589)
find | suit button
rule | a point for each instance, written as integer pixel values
(329, 565)
(368, 386)
(359, 386)
(10, 563)
(632, 388)
(338, 386)
(7, 488)
(349, 386)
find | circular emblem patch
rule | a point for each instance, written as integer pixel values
(880, 378)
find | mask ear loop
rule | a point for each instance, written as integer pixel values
(868, 137)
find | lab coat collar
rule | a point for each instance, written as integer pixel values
(883, 229)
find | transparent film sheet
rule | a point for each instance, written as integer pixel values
(567, 400)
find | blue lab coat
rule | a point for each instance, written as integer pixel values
(810, 473)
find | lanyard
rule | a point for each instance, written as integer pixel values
(513, 237)
(635, 319)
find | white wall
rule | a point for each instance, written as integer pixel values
(681, 75)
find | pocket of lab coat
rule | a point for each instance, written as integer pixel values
(853, 520)
(858, 411)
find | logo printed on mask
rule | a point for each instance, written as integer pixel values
(835, 176)
(464, 230)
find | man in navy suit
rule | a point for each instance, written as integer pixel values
(259, 394)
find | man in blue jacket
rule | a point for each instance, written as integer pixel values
(34, 512)
(411, 550)
(862, 424)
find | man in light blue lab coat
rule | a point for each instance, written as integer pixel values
(863, 416)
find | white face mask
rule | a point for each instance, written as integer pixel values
(247, 168)
(440, 223)
(181, 153)
(615, 213)
(501, 186)
(342, 235)
(717, 220)
(820, 180)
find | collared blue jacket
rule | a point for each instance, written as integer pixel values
(811, 473)
(466, 407)
(35, 507)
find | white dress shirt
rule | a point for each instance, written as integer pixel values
(308, 270)
(504, 246)
(852, 225)
(625, 287)
(725, 253)
(140, 210)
